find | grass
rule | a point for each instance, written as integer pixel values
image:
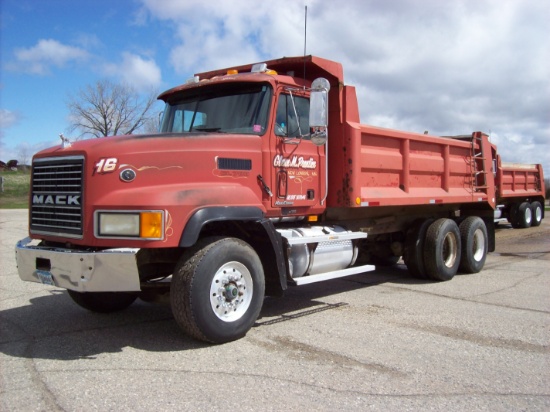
(16, 190)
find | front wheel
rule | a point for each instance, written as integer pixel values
(217, 290)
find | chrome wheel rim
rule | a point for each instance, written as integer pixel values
(231, 291)
(538, 214)
(478, 245)
(449, 250)
(528, 215)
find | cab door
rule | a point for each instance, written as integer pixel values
(297, 164)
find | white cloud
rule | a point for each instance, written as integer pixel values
(45, 54)
(140, 73)
(214, 34)
(447, 67)
(88, 41)
(8, 118)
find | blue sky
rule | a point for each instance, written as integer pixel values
(450, 67)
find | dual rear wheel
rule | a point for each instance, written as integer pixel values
(524, 215)
(439, 249)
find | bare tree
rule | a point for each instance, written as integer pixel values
(152, 125)
(24, 153)
(109, 109)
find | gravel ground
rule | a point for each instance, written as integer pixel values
(377, 341)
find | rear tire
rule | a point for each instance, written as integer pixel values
(524, 216)
(536, 209)
(513, 217)
(442, 249)
(474, 239)
(413, 255)
(217, 290)
(103, 302)
(521, 215)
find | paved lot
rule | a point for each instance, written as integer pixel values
(379, 341)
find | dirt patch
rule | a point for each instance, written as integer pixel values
(530, 243)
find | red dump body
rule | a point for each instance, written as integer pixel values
(515, 180)
(388, 168)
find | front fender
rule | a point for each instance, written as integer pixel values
(206, 215)
(272, 249)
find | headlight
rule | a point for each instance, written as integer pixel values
(146, 225)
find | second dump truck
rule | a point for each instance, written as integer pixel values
(520, 193)
(261, 177)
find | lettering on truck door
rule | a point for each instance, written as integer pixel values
(296, 161)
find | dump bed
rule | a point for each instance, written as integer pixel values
(383, 167)
(519, 180)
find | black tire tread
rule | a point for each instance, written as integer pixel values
(430, 251)
(534, 221)
(414, 245)
(465, 228)
(185, 310)
(514, 216)
(184, 306)
(522, 209)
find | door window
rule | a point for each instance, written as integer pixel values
(292, 120)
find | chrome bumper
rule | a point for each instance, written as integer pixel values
(110, 270)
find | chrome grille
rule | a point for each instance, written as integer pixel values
(57, 196)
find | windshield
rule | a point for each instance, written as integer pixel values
(223, 108)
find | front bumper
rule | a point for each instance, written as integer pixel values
(109, 270)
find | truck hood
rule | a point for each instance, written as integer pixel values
(167, 160)
(132, 144)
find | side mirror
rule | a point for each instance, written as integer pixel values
(318, 110)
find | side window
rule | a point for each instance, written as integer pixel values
(286, 122)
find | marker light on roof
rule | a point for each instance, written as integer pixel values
(262, 68)
(232, 71)
(192, 80)
(259, 68)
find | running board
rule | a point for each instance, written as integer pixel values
(304, 280)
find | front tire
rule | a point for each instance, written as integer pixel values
(103, 302)
(474, 239)
(442, 249)
(217, 290)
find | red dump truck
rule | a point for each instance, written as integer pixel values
(520, 193)
(260, 178)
